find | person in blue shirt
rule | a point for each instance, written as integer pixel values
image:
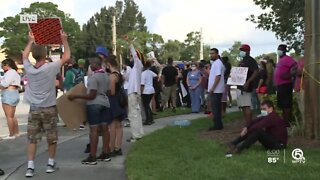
(194, 83)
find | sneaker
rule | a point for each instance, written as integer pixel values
(127, 124)
(89, 160)
(132, 139)
(82, 127)
(30, 172)
(147, 123)
(116, 153)
(1, 172)
(51, 168)
(9, 137)
(228, 155)
(104, 157)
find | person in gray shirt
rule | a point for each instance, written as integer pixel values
(40, 93)
(98, 111)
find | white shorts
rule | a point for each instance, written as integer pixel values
(244, 99)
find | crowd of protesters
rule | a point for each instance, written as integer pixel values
(143, 87)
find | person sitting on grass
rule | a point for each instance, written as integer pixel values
(270, 130)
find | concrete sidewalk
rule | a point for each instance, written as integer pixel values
(70, 153)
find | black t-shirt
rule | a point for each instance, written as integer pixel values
(263, 75)
(227, 72)
(252, 65)
(170, 73)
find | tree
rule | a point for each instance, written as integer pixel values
(98, 30)
(272, 56)
(285, 18)
(233, 53)
(15, 33)
(129, 17)
(191, 46)
(172, 48)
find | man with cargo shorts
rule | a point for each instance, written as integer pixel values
(40, 94)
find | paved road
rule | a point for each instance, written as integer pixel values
(69, 152)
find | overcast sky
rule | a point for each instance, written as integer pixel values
(222, 21)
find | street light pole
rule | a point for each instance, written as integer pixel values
(114, 35)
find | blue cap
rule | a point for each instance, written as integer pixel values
(102, 50)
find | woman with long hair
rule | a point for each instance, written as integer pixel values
(10, 95)
(118, 112)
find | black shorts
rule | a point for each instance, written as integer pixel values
(284, 95)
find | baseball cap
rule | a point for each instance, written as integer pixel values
(102, 50)
(245, 47)
(81, 61)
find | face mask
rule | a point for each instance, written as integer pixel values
(193, 68)
(264, 113)
(280, 53)
(242, 54)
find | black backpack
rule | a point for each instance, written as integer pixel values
(78, 76)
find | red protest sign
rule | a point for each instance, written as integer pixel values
(47, 31)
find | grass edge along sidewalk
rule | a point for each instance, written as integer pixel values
(179, 153)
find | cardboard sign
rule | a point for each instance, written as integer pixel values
(47, 31)
(73, 113)
(238, 76)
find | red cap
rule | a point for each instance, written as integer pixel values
(245, 47)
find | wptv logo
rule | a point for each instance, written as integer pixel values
(28, 18)
(274, 156)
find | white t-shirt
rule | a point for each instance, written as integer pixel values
(147, 80)
(217, 69)
(134, 85)
(41, 90)
(10, 78)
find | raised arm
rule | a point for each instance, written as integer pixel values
(28, 47)
(67, 53)
(136, 59)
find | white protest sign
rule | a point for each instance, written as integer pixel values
(28, 18)
(238, 76)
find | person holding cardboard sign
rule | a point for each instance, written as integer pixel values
(98, 111)
(40, 94)
(244, 99)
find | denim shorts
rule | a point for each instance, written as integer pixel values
(98, 115)
(10, 97)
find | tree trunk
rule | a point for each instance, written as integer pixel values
(312, 69)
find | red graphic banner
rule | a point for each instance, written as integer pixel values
(47, 31)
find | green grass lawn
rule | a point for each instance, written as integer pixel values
(168, 112)
(179, 153)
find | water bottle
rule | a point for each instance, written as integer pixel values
(181, 123)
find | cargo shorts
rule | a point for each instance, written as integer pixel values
(40, 121)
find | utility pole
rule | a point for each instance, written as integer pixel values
(312, 70)
(114, 35)
(201, 45)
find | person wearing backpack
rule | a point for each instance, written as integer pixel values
(74, 76)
